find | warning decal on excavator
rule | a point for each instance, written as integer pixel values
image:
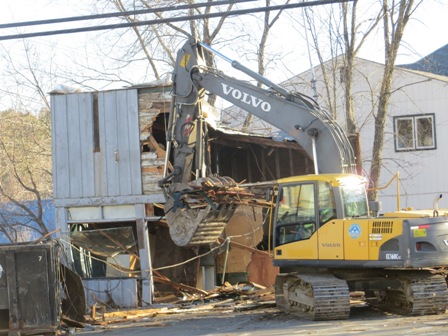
(184, 61)
(420, 233)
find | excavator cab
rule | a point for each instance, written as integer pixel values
(327, 244)
(310, 202)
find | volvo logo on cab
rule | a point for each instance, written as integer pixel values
(331, 245)
(245, 97)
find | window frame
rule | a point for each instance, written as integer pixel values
(415, 138)
(281, 227)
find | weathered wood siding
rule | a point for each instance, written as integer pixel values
(98, 140)
(73, 159)
(119, 143)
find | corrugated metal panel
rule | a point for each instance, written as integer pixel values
(122, 291)
(119, 142)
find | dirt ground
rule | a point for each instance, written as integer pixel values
(222, 321)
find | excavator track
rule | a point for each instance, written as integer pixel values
(315, 297)
(421, 293)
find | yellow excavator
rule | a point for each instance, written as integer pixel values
(325, 240)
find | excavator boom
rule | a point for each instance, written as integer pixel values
(299, 116)
(295, 114)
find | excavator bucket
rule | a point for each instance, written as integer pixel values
(198, 212)
(193, 227)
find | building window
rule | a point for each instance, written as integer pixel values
(415, 132)
(343, 74)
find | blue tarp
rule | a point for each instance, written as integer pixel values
(13, 214)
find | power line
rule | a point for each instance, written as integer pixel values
(118, 14)
(170, 20)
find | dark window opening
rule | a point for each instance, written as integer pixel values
(416, 132)
(105, 249)
(96, 123)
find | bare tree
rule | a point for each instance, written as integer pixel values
(25, 147)
(268, 23)
(348, 33)
(395, 18)
(158, 44)
(352, 46)
(345, 36)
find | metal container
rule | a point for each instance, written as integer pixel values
(30, 298)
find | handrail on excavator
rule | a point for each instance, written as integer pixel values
(397, 177)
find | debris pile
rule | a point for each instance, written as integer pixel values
(227, 298)
(198, 212)
(220, 190)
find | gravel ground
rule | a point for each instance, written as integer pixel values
(271, 322)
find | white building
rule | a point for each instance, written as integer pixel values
(415, 144)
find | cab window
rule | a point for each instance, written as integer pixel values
(327, 205)
(296, 213)
(355, 201)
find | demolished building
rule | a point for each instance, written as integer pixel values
(108, 155)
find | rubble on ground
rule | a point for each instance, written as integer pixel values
(226, 298)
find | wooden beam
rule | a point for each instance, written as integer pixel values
(277, 164)
(291, 162)
(236, 140)
(247, 248)
(179, 286)
(152, 143)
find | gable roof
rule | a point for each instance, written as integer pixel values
(362, 61)
(436, 62)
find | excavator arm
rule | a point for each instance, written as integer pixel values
(297, 115)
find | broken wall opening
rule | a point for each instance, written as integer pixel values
(256, 159)
(245, 158)
(109, 250)
(106, 256)
(169, 264)
(250, 159)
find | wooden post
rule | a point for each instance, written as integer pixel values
(145, 255)
(93, 312)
